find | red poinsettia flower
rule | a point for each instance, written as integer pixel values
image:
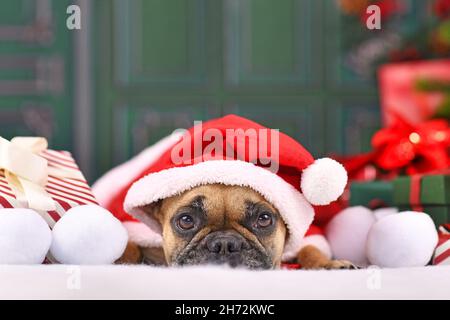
(416, 149)
(442, 8)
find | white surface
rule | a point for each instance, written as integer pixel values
(143, 282)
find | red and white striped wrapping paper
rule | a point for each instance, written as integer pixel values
(67, 192)
(442, 253)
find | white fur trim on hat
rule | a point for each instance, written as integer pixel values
(323, 181)
(141, 234)
(297, 213)
(123, 174)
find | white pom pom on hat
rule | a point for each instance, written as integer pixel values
(323, 181)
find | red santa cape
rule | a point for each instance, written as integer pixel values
(234, 151)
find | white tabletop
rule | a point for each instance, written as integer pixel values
(143, 282)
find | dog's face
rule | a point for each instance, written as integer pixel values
(218, 224)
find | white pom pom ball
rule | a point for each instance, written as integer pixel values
(384, 212)
(405, 239)
(347, 234)
(88, 234)
(323, 181)
(25, 237)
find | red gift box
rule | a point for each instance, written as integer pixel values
(65, 186)
(400, 96)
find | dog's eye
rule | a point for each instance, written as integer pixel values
(186, 222)
(264, 220)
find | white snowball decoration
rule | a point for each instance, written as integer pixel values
(347, 234)
(384, 212)
(323, 181)
(24, 237)
(88, 234)
(405, 239)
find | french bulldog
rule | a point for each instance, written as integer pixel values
(220, 224)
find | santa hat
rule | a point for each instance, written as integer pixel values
(269, 162)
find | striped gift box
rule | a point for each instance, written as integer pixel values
(442, 253)
(67, 192)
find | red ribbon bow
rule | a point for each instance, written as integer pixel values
(413, 148)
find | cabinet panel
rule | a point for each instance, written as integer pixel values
(160, 42)
(138, 126)
(27, 121)
(268, 42)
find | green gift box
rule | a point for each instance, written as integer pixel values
(433, 190)
(373, 194)
(427, 193)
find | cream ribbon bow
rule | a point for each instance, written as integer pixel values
(27, 172)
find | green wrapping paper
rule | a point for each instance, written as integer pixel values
(427, 193)
(374, 194)
(434, 190)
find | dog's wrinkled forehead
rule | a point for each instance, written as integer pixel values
(221, 203)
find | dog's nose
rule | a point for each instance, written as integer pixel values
(224, 243)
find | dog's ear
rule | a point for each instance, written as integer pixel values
(154, 210)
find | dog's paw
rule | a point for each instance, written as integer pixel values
(334, 265)
(338, 264)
